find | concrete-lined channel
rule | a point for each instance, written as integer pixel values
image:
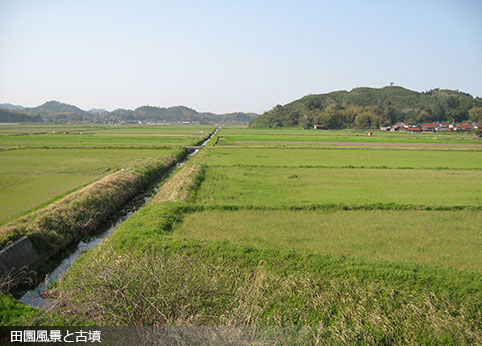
(34, 296)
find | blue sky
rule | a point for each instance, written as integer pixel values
(225, 56)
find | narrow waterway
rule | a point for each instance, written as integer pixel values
(34, 297)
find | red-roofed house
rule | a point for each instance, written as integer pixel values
(430, 127)
(465, 127)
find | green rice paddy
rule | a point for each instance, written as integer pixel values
(355, 158)
(293, 137)
(275, 186)
(40, 163)
(447, 238)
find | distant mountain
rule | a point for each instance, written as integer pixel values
(371, 107)
(98, 111)
(239, 117)
(54, 111)
(177, 114)
(11, 107)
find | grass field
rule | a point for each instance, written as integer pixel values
(268, 186)
(449, 238)
(58, 159)
(69, 136)
(100, 129)
(290, 136)
(309, 157)
(157, 275)
(96, 141)
(31, 177)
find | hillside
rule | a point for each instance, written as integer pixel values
(55, 107)
(54, 111)
(176, 114)
(10, 107)
(11, 116)
(371, 107)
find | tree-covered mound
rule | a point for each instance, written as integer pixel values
(371, 108)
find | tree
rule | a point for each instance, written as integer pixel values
(332, 117)
(306, 121)
(425, 116)
(313, 103)
(368, 120)
(475, 114)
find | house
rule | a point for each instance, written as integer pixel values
(318, 127)
(465, 127)
(399, 126)
(442, 127)
(429, 127)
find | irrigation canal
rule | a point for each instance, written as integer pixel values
(34, 297)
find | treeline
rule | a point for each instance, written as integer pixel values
(372, 108)
(9, 116)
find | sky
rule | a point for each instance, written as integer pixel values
(227, 56)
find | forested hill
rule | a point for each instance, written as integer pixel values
(58, 112)
(371, 108)
(13, 116)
